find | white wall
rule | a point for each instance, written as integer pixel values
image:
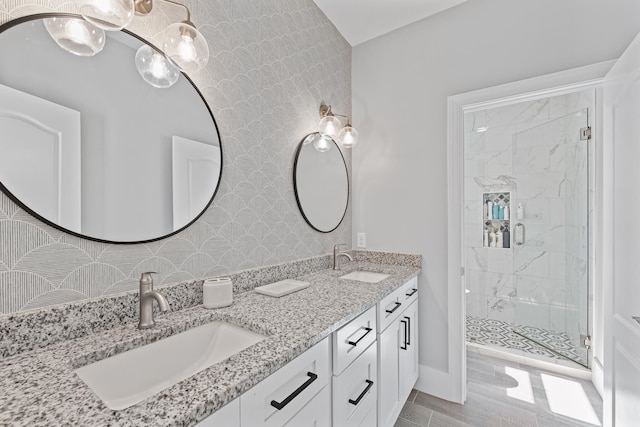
(401, 82)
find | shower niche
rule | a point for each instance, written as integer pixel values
(496, 211)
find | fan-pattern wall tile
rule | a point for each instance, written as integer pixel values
(271, 64)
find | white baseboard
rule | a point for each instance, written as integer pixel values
(436, 383)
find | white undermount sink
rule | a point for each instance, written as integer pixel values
(365, 276)
(130, 377)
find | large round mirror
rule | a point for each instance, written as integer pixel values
(321, 182)
(92, 148)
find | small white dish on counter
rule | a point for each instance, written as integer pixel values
(130, 377)
(365, 276)
(281, 288)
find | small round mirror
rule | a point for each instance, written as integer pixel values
(321, 182)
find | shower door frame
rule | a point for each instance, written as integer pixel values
(561, 83)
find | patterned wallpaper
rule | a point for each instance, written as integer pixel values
(272, 63)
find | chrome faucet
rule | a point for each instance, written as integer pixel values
(147, 295)
(337, 255)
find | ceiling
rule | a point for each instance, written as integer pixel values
(362, 20)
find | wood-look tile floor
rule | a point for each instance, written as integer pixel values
(501, 393)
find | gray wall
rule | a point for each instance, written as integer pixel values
(271, 65)
(401, 82)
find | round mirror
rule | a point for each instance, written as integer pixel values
(321, 182)
(90, 147)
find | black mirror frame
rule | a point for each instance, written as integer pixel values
(295, 186)
(17, 201)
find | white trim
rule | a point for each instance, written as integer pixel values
(560, 83)
(597, 376)
(436, 383)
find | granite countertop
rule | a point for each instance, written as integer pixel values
(39, 387)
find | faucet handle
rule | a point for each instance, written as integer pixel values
(146, 278)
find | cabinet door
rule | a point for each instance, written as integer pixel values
(227, 416)
(389, 401)
(408, 357)
(354, 391)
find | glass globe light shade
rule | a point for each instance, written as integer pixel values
(186, 47)
(76, 35)
(348, 137)
(329, 126)
(322, 144)
(110, 15)
(311, 138)
(155, 69)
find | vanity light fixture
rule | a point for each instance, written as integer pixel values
(155, 69)
(181, 42)
(76, 35)
(330, 126)
(320, 142)
(110, 15)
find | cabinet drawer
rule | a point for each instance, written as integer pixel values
(409, 292)
(393, 304)
(316, 413)
(355, 390)
(353, 339)
(290, 388)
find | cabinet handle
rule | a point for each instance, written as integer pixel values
(412, 293)
(285, 402)
(355, 343)
(367, 388)
(398, 304)
(409, 328)
(404, 346)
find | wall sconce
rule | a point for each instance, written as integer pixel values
(182, 44)
(330, 126)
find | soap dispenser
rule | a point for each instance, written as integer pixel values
(499, 238)
(506, 237)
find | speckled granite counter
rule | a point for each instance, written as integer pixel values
(39, 387)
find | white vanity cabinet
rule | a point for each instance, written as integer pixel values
(408, 354)
(355, 356)
(300, 390)
(227, 416)
(397, 350)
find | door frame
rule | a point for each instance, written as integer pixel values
(560, 83)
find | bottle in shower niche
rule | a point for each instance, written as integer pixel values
(492, 239)
(489, 209)
(499, 238)
(506, 213)
(506, 237)
(496, 211)
(485, 238)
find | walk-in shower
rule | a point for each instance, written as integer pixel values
(527, 192)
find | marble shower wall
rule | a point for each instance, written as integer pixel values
(528, 151)
(271, 64)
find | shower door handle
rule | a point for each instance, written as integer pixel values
(518, 234)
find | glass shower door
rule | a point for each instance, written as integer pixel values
(550, 236)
